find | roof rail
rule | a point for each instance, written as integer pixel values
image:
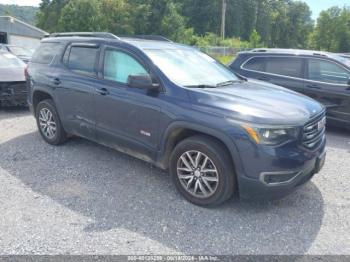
(148, 37)
(259, 50)
(319, 54)
(85, 34)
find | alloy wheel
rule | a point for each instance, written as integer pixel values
(47, 123)
(197, 174)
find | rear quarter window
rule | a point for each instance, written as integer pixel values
(284, 66)
(46, 52)
(255, 63)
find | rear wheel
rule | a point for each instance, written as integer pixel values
(202, 171)
(49, 124)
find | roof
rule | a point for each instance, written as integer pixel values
(152, 44)
(139, 42)
(289, 51)
(13, 25)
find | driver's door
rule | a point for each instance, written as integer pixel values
(328, 82)
(126, 118)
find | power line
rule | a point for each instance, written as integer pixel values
(223, 18)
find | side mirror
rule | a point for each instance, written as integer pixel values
(142, 81)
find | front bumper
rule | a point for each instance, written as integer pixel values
(278, 173)
(258, 189)
(13, 93)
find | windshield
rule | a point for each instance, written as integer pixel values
(20, 51)
(8, 60)
(190, 68)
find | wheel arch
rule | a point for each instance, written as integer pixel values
(179, 131)
(40, 95)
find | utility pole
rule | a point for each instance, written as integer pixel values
(223, 18)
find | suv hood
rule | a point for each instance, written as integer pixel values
(257, 102)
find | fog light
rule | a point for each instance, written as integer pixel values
(278, 177)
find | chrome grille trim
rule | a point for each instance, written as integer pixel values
(312, 136)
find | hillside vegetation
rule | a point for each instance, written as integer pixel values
(249, 23)
(24, 13)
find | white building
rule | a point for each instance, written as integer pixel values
(17, 32)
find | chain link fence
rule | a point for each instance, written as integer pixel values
(222, 51)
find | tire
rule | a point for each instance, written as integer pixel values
(46, 112)
(218, 186)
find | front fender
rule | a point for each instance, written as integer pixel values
(173, 128)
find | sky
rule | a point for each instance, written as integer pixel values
(316, 5)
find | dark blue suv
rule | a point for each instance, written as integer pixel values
(179, 109)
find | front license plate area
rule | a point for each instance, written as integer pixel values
(320, 162)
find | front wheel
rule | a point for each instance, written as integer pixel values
(202, 171)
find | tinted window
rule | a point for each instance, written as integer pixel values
(329, 72)
(20, 51)
(46, 52)
(118, 66)
(256, 64)
(285, 66)
(83, 59)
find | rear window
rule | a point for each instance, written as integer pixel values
(46, 53)
(83, 60)
(8, 60)
(255, 63)
(284, 66)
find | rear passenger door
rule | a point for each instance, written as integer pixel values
(127, 118)
(76, 82)
(327, 82)
(286, 71)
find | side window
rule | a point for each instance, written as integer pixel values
(46, 52)
(255, 63)
(329, 72)
(119, 65)
(83, 60)
(285, 66)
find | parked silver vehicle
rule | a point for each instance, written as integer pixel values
(21, 52)
(13, 91)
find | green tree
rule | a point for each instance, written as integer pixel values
(255, 39)
(332, 32)
(81, 15)
(115, 16)
(49, 14)
(173, 25)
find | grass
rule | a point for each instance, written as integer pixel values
(224, 59)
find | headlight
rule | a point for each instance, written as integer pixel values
(271, 136)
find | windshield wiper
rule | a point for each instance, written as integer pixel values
(201, 86)
(227, 83)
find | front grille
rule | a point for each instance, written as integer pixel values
(314, 131)
(13, 88)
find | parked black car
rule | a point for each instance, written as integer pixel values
(320, 75)
(21, 52)
(179, 109)
(13, 90)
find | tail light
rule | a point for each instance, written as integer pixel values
(26, 72)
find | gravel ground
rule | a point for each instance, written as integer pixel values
(82, 198)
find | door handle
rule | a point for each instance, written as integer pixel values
(102, 91)
(56, 81)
